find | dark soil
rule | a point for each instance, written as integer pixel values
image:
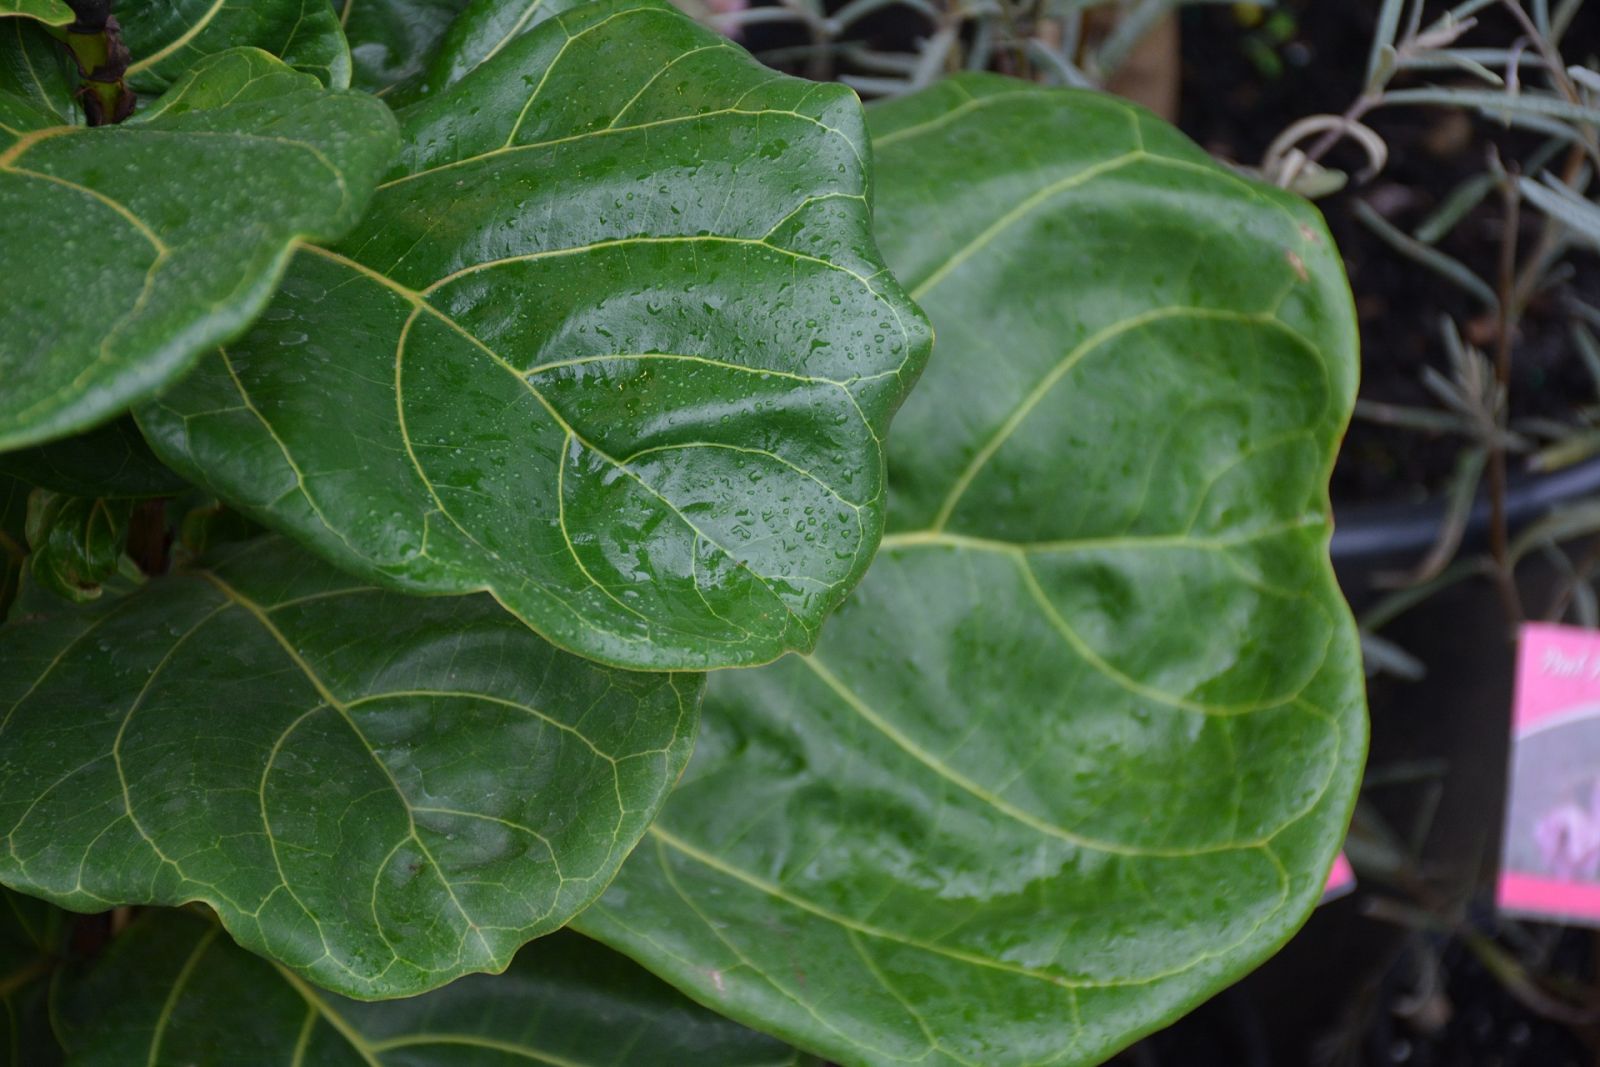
(1434, 1006)
(1243, 85)
(1480, 1026)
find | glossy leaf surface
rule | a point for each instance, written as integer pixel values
(158, 273)
(613, 343)
(174, 992)
(390, 40)
(478, 34)
(383, 793)
(168, 37)
(1081, 748)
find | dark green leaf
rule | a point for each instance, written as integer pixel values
(173, 992)
(76, 543)
(38, 68)
(390, 40)
(31, 933)
(613, 343)
(110, 461)
(35, 600)
(1080, 750)
(478, 34)
(383, 793)
(168, 37)
(118, 276)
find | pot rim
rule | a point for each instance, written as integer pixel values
(1368, 531)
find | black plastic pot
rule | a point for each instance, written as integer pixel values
(1369, 539)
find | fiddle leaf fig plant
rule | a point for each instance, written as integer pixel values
(380, 469)
(1082, 745)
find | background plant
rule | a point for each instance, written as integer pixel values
(1077, 43)
(1526, 81)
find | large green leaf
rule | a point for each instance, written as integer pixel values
(171, 992)
(1082, 747)
(382, 793)
(49, 12)
(150, 271)
(168, 37)
(390, 40)
(613, 343)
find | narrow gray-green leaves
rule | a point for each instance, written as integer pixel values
(173, 992)
(1081, 748)
(144, 272)
(168, 37)
(382, 793)
(613, 343)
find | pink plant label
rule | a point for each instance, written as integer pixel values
(1341, 880)
(1550, 858)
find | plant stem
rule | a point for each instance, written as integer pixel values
(1560, 80)
(29, 972)
(1581, 573)
(1533, 269)
(1353, 114)
(1547, 51)
(1506, 322)
(148, 544)
(95, 41)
